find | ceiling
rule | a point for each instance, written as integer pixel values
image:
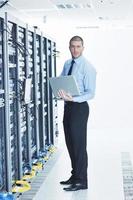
(82, 13)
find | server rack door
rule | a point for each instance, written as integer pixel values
(51, 102)
(48, 65)
(53, 105)
(13, 109)
(21, 106)
(42, 115)
(29, 105)
(9, 127)
(36, 83)
(30, 116)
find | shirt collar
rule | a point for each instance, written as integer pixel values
(77, 60)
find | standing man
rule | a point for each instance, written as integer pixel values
(76, 112)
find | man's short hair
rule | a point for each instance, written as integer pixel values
(76, 38)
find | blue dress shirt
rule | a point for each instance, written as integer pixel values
(85, 75)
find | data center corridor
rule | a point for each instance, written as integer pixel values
(109, 171)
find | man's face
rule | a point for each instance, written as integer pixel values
(76, 48)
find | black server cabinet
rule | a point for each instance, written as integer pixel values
(52, 102)
(37, 87)
(53, 105)
(10, 126)
(28, 111)
(2, 112)
(21, 106)
(30, 107)
(12, 101)
(43, 95)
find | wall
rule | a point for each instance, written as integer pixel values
(110, 50)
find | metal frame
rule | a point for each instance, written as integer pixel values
(2, 113)
(48, 65)
(28, 108)
(36, 96)
(42, 108)
(7, 118)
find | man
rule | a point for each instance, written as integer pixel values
(76, 112)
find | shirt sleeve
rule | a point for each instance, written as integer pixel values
(89, 86)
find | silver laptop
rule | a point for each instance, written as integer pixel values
(66, 83)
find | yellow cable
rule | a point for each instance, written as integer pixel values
(30, 175)
(52, 149)
(46, 158)
(37, 166)
(21, 186)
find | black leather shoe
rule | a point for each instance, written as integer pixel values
(68, 182)
(76, 186)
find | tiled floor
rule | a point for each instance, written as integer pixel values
(105, 182)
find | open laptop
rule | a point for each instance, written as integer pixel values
(66, 83)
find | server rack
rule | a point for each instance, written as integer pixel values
(9, 103)
(28, 115)
(30, 105)
(37, 84)
(53, 104)
(52, 119)
(43, 98)
(21, 106)
(2, 111)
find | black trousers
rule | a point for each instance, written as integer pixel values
(75, 128)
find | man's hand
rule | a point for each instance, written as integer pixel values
(64, 95)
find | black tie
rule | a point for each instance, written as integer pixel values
(71, 67)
